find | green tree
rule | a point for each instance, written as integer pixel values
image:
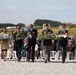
(72, 26)
(6, 25)
(21, 24)
(40, 22)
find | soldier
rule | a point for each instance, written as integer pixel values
(63, 43)
(18, 42)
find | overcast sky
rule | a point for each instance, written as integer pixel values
(27, 11)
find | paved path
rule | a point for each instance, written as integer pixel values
(12, 67)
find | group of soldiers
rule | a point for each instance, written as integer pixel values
(32, 34)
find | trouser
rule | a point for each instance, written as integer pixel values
(32, 48)
(23, 53)
(4, 53)
(47, 50)
(18, 52)
(64, 48)
(28, 54)
(71, 55)
(38, 53)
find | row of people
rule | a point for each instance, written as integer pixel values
(31, 42)
(39, 50)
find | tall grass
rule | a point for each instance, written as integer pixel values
(72, 31)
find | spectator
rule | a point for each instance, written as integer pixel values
(70, 49)
(27, 49)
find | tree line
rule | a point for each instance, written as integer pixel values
(11, 25)
(40, 22)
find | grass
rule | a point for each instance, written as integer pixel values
(72, 31)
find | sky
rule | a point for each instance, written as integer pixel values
(27, 11)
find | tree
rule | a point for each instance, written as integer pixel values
(6, 25)
(21, 24)
(40, 22)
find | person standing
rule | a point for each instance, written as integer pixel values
(74, 42)
(63, 43)
(4, 43)
(18, 42)
(71, 50)
(47, 43)
(26, 46)
(32, 35)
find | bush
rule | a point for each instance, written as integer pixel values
(72, 26)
